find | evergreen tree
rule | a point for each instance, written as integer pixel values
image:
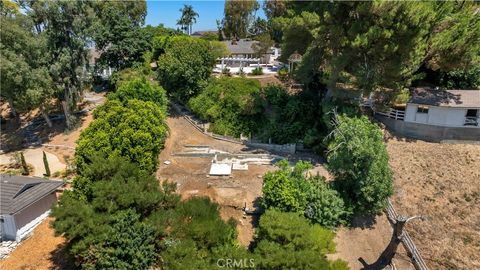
(45, 163)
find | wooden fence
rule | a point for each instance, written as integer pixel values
(392, 113)
(407, 242)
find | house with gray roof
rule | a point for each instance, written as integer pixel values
(243, 48)
(24, 203)
(437, 114)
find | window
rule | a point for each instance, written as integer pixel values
(472, 113)
(422, 109)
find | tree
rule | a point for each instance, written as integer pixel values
(288, 241)
(66, 26)
(118, 34)
(141, 89)
(103, 216)
(231, 104)
(185, 66)
(359, 161)
(25, 170)
(134, 129)
(263, 46)
(325, 205)
(188, 18)
(45, 163)
(25, 81)
(238, 15)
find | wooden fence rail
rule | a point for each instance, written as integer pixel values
(407, 242)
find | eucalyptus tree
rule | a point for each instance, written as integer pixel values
(238, 17)
(188, 18)
(25, 81)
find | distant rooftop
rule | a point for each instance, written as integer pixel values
(445, 98)
(18, 192)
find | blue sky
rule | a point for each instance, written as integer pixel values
(167, 12)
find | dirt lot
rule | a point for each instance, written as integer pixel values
(43, 250)
(441, 182)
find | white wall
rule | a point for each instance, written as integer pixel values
(439, 116)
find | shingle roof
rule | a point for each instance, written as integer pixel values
(243, 46)
(18, 192)
(445, 98)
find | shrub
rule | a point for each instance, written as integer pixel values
(45, 164)
(25, 170)
(257, 71)
(325, 205)
(359, 161)
(288, 241)
(283, 74)
(286, 189)
(232, 105)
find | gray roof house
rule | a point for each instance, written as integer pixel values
(24, 203)
(437, 114)
(243, 49)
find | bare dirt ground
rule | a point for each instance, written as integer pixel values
(442, 183)
(43, 250)
(191, 175)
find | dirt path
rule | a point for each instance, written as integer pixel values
(34, 157)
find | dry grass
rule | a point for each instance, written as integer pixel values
(441, 182)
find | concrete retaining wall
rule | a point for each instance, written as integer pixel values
(280, 148)
(430, 132)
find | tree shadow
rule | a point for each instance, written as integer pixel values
(61, 260)
(377, 265)
(434, 97)
(363, 221)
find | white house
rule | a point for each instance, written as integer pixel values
(446, 108)
(93, 68)
(434, 114)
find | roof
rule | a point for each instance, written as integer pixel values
(242, 46)
(18, 192)
(445, 98)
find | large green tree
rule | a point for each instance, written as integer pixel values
(358, 159)
(118, 34)
(238, 16)
(25, 81)
(66, 27)
(184, 66)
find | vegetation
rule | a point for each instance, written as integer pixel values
(288, 241)
(189, 17)
(141, 89)
(257, 71)
(232, 105)
(185, 66)
(25, 170)
(291, 190)
(45, 163)
(238, 17)
(359, 161)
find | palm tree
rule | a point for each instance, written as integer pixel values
(188, 18)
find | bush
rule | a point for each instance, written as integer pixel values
(288, 241)
(283, 74)
(286, 189)
(257, 71)
(141, 89)
(325, 205)
(232, 105)
(359, 161)
(135, 130)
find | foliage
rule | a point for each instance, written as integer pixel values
(263, 45)
(325, 205)
(66, 26)
(45, 163)
(188, 18)
(102, 216)
(288, 241)
(282, 74)
(359, 160)
(286, 189)
(118, 34)
(232, 105)
(257, 71)
(461, 79)
(25, 170)
(141, 89)
(238, 17)
(185, 66)
(219, 49)
(25, 81)
(123, 76)
(134, 129)
(210, 36)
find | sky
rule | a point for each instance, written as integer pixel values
(167, 12)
